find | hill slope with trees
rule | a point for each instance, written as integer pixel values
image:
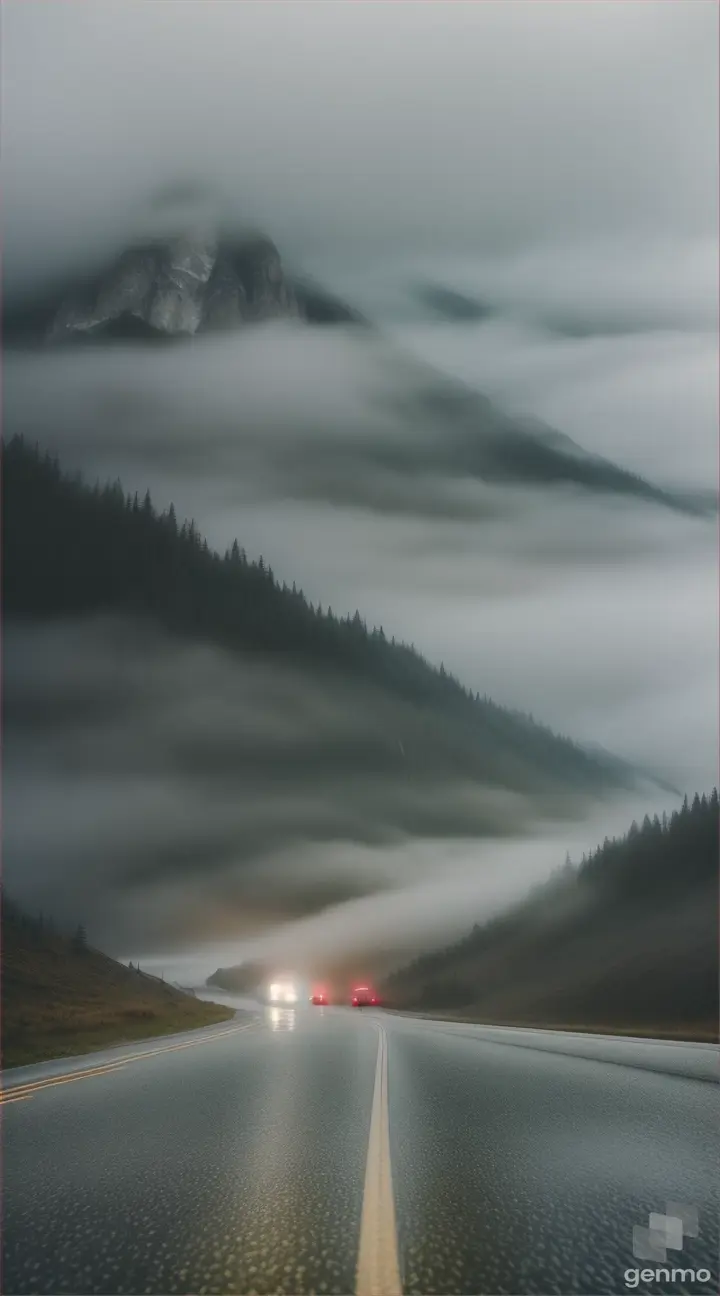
(625, 941)
(72, 550)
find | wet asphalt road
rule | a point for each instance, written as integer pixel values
(234, 1161)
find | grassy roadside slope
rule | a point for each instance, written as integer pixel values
(59, 999)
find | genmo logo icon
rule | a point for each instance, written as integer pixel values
(665, 1233)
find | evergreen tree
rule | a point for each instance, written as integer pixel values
(80, 938)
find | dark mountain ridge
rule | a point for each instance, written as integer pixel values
(73, 550)
(202, 278)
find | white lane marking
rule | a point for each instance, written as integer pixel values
(378, 1266)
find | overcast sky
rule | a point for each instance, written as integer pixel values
(362, 128)
(557, 163)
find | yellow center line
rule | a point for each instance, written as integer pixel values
(27, 1091)
(378, 1265)
(16, 1092)
(7, 1095)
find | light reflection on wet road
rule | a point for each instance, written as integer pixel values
(238, 1165)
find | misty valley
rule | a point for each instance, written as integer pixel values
(359, 926)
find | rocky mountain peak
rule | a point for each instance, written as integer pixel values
(181, 285)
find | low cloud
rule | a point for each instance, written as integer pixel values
(223, 782)
(355, 423)
(233, 800)
(577, 198)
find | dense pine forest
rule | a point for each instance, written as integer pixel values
(72, 549)
(626, 939)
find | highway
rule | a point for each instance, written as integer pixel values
(330, 1151)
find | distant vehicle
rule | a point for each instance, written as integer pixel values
(319, 997)
(282, 992)
(363, 997)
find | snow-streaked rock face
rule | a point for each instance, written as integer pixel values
(177, 295)
(182, 286)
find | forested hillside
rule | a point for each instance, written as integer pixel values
(627, 939)
(72, 549)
